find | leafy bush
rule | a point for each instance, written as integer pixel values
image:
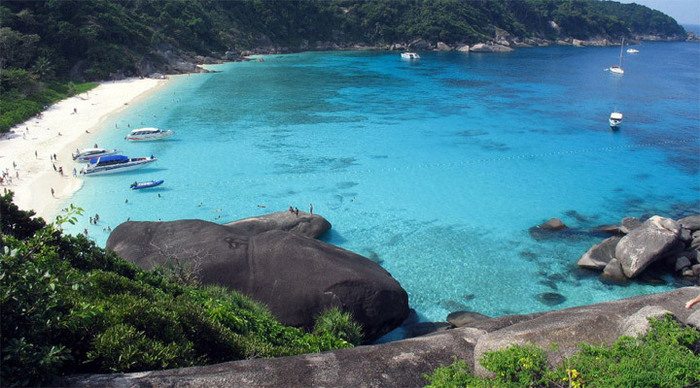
(339, 324)
(664, 357)
(71, 307)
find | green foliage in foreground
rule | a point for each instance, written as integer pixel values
(663, 357)
(23, 96)
(69, 306)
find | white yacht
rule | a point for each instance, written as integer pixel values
(632, 51)
(409, 55)
(86, 154)
(617, 69)
(147, 134)
(115, 163)
(615, 120)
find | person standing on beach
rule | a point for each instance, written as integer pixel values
(36, 154)
(53, 193)
(75, 172)
(311, 208)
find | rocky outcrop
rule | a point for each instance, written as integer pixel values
(295, 276)
(599, 255)
(441, 46)
(489, 48)
(463, 48)
(403, 363)
(657, 240)
(304, 224)
(647, 244)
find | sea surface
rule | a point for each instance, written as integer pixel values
(435, 169)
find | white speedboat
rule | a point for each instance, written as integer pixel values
(86, 154)
(147, 134)
(115, 163)
(615, 120)
(409, 55)
(632, 51)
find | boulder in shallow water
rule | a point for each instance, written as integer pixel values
(629, 224)
(650, 242)
(547, 229)
(613, 272)
(690, 222)
(551, 298)
(599, 255)
(296, 277)
(465, 318)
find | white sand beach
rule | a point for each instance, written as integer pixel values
(66, 125)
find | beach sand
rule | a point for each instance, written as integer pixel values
(66, 125)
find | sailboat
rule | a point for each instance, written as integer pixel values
(617, 69)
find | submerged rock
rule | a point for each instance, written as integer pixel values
(647, 244)
(547, 229)
(465, 318)
(295, 276)
(551, 298)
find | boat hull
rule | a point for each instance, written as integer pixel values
(149, 137)
(114, 169)
(614, 124)
(146, 185)
(86, 158)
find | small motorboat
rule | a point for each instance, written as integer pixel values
(115, 163)
(410, 56)
(148, 134)
(86, 154)
(615, 120)
(616, 69)
(145, 185)
(632, 51)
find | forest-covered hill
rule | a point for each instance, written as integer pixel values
(92, 39)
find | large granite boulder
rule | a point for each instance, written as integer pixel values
(599, 255)
(690, 222)
(304, 224)
(442, 46)
(644, 245)
(296, 277)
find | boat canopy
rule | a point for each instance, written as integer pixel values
(109, 159)
(616, 116)
(144, 131)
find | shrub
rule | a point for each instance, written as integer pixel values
(663, 357)
(338, 324)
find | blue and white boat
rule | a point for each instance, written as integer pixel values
(115, 163)
(145, 185)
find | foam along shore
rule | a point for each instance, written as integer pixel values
(26, 152)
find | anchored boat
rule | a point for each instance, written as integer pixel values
(86, 154)
(115, 163)
(148, 134)
(410, 56)
(615, 120)
(145, 185)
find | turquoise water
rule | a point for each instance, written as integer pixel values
(435, 169)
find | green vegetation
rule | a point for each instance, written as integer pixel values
(665, 357)
(69, 306)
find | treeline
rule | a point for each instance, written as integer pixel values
(93, 39)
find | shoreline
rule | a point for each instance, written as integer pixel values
(25, 152)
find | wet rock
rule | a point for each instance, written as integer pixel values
(425, 328)
(465, 318)
(599, 255)
(690, 222)
(609, 229)
(613, 272)
(682, 263)
(551, 298)
(629, 224)
(647, 244)
(547, 229)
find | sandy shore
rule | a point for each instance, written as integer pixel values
(63, 127)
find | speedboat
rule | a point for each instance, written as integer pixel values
(632, 51)
(86, 154)
(115, 163)
(409, 55)
(145, 185)
(615, 120)
(147, 134)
